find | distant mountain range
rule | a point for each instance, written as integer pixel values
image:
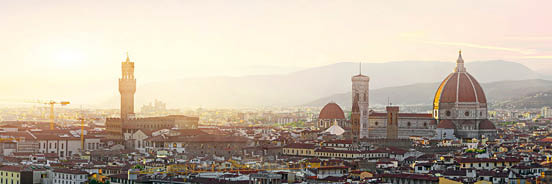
(326, 83)
(530, 93)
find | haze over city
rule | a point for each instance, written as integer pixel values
(72, 49)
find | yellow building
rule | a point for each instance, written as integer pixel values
(15, 175)
(487, 163)
(299, 150)
(443, 180)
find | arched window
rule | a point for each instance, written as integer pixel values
(408, 124)
(467, 113)
(447, 113)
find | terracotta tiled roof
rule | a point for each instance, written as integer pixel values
(475, 160)
(11, 168)
(410, 176)
(199, 138)
(404, 115)
(300, 146)
(446, 124)
(487, 125)
(547, 139)
(339, 142)
(70, 171)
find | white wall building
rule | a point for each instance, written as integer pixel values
(66, 176)
(65, 146)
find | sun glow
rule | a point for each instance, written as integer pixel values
(68, 57)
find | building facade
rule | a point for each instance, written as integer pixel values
(117, 127)
(392, 122)
(406, 125)
(66, 146)
(15, 175)
(68, 176)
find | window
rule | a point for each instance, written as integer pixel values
(467, 113)
(448, 113)
(408, 124)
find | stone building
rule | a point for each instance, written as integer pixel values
(65, 146)
(117, 127)
(199, 145)
(407, 125)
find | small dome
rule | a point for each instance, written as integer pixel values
(331, 111)
(468, 123)
(487, 125)
(446, 124)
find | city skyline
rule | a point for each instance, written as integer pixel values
(275, 92)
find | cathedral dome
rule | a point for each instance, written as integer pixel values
(459, 86)
(331, 111)
(487, 125)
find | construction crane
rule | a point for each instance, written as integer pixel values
(52, 116)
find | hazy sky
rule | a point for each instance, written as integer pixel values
(63, 45)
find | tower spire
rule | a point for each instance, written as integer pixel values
(128, 58)
(360, 68)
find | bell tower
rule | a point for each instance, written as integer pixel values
(361, 85)
(127, 88)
